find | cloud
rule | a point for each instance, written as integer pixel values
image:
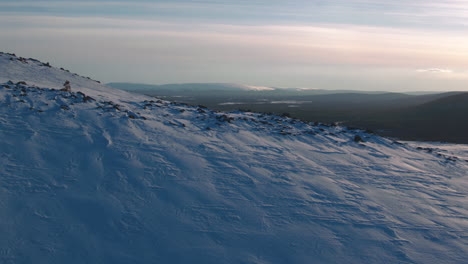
(301, 55)
(449, 13)
(435, 70)
(298, 44)
(444, 74)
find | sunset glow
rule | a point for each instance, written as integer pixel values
(369, 45)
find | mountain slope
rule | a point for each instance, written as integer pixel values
(104, 176)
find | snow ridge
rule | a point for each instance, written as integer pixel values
(100, 175)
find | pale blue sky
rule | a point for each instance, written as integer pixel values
(336, 44)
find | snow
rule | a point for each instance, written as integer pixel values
(125, 178)
(248, 87)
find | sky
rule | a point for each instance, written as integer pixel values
(324, 44)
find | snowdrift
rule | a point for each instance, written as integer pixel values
(98, 175)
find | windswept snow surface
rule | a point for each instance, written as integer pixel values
(104, 176)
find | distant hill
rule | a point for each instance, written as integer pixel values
(189, 87)
(192, 89)
(443, 119)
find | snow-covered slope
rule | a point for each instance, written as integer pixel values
(15, 69)
(103, 176)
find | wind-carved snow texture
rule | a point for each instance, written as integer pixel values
(98, 175)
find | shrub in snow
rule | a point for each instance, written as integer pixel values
(66, 87)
